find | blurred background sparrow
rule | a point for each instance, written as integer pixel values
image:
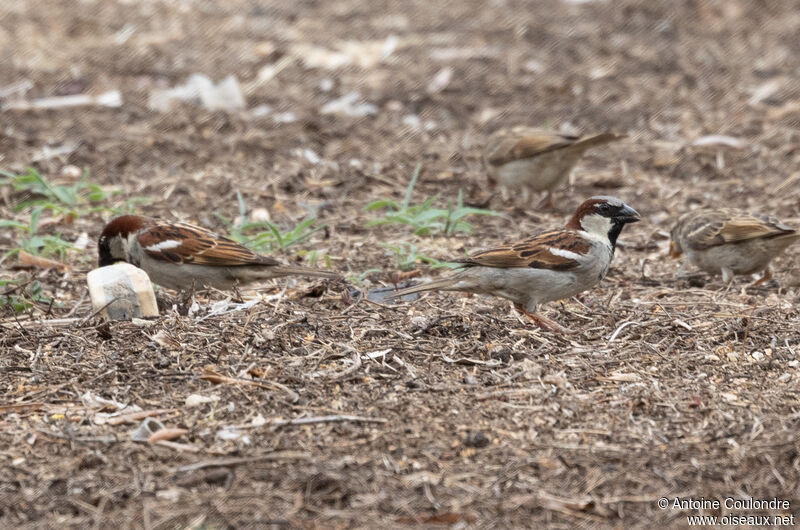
(730, 242)
(535, 159)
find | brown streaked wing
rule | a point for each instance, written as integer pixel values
(522, 143)
(718, 227)
(533, 252)
(198, 246)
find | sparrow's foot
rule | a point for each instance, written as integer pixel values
(764, 279)
(544, 322)
(722, 293)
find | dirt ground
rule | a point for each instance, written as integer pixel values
(316, 409)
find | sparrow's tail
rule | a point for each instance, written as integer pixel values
(288, 270)
(784, 240)
(445, 284)
(599, 139)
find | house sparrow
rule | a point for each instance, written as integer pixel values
(546, 267)
(730, 241)
(183, 256)
(535, 159)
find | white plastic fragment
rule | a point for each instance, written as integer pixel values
(460, 54)
(90, 400)
(267, 73)
(82, 242)
(102, 406)
(224, 307)
(194, 400)
(199, 88)
(349, 106)
(311, 156)
(720, 140)
(765, 91)
(261, 111)
(122, 292)
(17, 88)
(230, 433)
(146, 429)
(112, 98)
(48, 153)
(440, 80)
(284, 117)
(364, 54)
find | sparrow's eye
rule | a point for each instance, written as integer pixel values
(605, 209)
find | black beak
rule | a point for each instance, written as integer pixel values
(104, 257)
(627, 214)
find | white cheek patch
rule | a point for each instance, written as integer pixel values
(596, 224)
(565, 253)
(164, 245)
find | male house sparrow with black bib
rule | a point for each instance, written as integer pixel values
(535, 159)
(730, 242)
(546, 267)
(183, 256)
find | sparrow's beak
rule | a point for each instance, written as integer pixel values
(627, 214)
(673, 250)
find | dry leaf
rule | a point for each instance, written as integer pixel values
(132, 417)
(26, 260)
(166, 434)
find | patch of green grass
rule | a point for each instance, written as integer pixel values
(313, 257)
(67, 200)
(18, 295)
(77, 199)
(253, 235)
(407, 256)
(425, 218)
(358, 279)
(34, 243)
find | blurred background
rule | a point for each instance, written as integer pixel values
(190, 100)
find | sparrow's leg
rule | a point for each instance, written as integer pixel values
(727, 279)
(547, 202)
(543, 321)
(526, 196)
(764, 279)
(727, 275)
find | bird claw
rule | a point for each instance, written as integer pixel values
(546, 323)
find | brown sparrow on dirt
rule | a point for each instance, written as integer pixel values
(550, 266)
(730, 241)
(183, 256)
(535, 159)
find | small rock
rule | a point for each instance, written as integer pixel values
(71, 172)
(503, 355)
(556, 380)
(476, 439)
